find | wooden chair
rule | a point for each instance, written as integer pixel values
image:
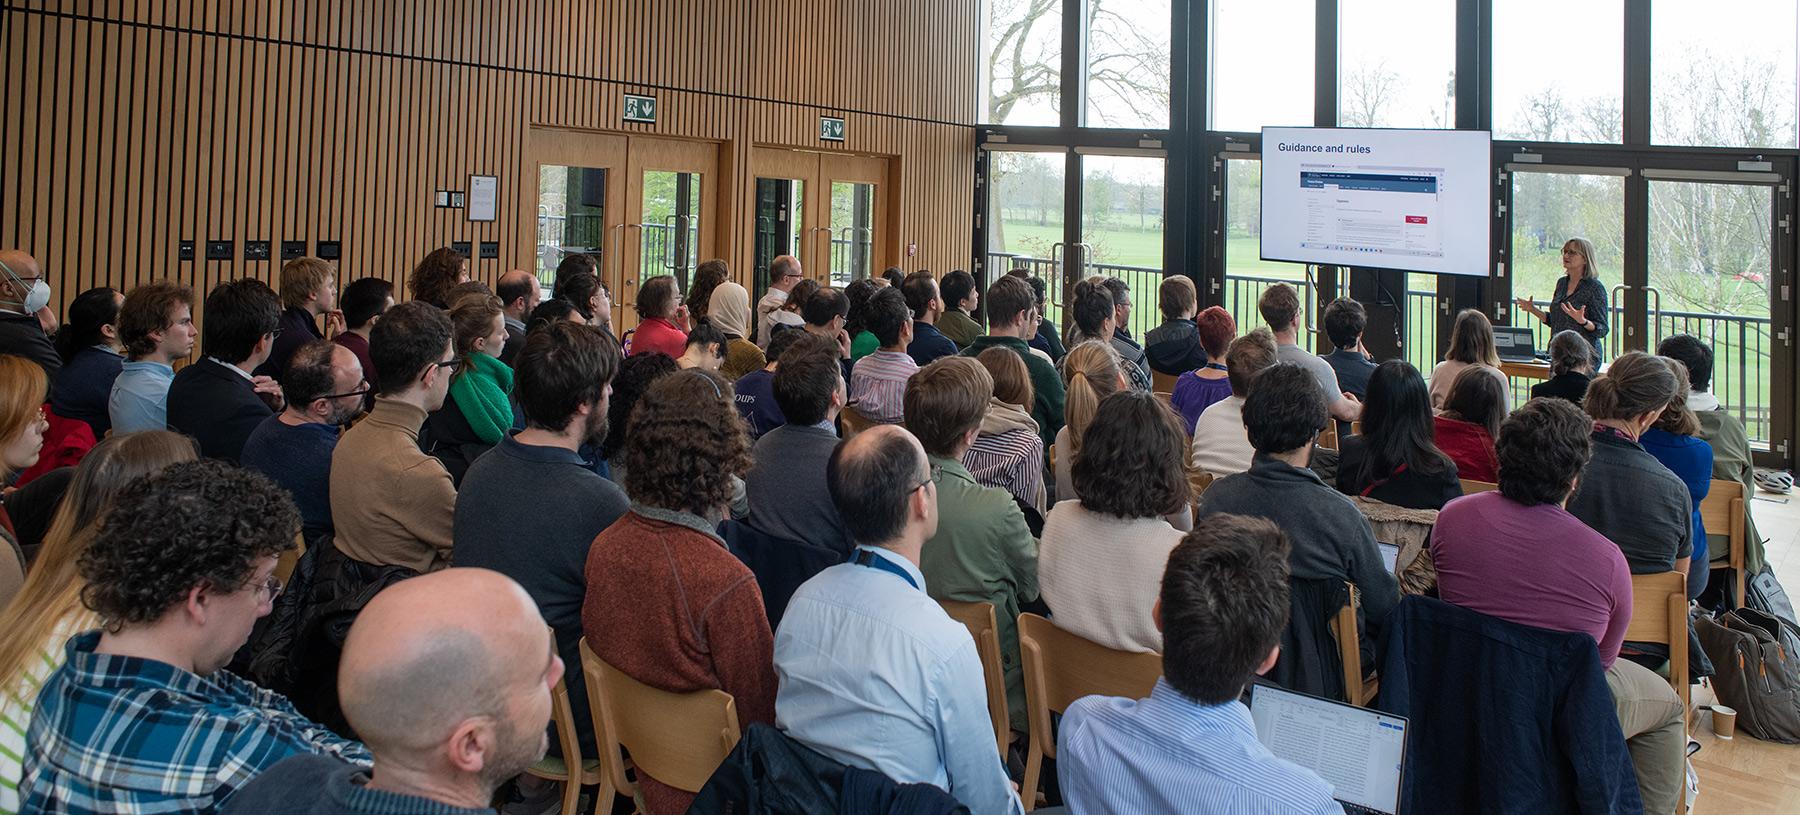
(1161, 382)
(1198, 481)
(679, 739)
(1349, 642)
(1061, 667)
(1356, 428)
(1659, 614)
(1471, 487)
(284, 564)
(853, 422)
(586, 772)
(985, 628)
(1723, 510)
(1328, 438)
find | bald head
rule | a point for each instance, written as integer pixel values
(875, 479)
(431, 653)
(518, 292)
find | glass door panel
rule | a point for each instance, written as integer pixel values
(670, 217)
(1549, 208)
(1025, 220)
(1122, 229)
(571, 216)
(1246, 273)
(852, 231)
(1710, 269)
(671, 225)
(780, 225)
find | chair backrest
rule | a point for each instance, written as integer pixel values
(1161, 382)
(679, 739)
(984, 627)
(1328, 438)
(1061, 667)
(1722, 512)
(1659, 615)
(284, 564)
(853, 421)
(1356, 428)
(1470, 486)
(1349, 642)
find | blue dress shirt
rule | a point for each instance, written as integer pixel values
(140, 396)
(875, 675)
(1169, 753)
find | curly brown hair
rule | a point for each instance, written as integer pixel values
(1132, 461)
(434, 276)
(195, 523)
(685, 443)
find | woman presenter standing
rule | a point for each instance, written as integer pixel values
(1579, 304)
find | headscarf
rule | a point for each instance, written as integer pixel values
(729, 309)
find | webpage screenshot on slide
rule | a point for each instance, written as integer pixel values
(1386, 199)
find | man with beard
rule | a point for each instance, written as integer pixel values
(447, 677)
(530, 507)
(324, 387)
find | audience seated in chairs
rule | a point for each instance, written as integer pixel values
(477, 410)
(961, 298)
(1280, 308)
(448, 679)
(1344, 321)
(48, 610)
(216, 399)
(1331, 539)
(636, 374)
(1470, 419)
(1471, 346)
(1012, 322)
(156, 326)
(440, 270)
(1175, 348)
(324, 389)
(1208, 383)
(874, 673)
(92, 356)
(1103, 551)
(756, 390)
(531, 507)
(518, 291)
(666, 604)
(928, 343)
(980, 550)
(308, 290)
(179, 570)
(364, 301)
(391, 504)
(1581, 583)
(1223, 606)
(1221, 445)
(786, 483)
(878, 379)
(729, 311)
(1674, 441)
(26, 321)
(1395, 460)
(1008, 453)
(1571, 368)
(662, 321)
(1721, 429)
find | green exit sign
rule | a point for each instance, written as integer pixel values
(831, 128)
(640, 109)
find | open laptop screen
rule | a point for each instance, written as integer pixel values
(1514, 344)
(1390, 555)
(1356, 750)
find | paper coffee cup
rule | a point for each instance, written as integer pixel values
(1724, 721)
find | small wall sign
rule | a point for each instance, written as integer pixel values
(640, 109)
(831, 128)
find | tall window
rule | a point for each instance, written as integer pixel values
(1723, 73)
(1262, 64)
(1396, 63)
(1128, 63)
(1022, 62)
(1559, 70)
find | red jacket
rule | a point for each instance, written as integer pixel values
(659, 336)
(1469, 445)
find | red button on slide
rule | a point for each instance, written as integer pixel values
(1415, 219)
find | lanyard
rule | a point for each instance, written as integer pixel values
(867, 558)
(1214, 365)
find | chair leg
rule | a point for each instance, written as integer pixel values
(571, 800)
(1034, 764)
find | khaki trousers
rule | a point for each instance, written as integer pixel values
(1650, 714)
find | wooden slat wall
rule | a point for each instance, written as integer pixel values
(136, 124)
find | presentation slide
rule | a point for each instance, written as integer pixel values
(1414, 200)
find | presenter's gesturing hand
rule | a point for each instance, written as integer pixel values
(1579, 315)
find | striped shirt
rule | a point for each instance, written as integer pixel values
(878, 385)
(1011, 461)
(18, 702)
(1169, 753)
(117, 734)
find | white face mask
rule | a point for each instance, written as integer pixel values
(37, 297)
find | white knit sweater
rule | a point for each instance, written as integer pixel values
(1101, 575)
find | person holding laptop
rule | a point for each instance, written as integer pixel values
(1223, 608)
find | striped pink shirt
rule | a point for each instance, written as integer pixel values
(878, 385)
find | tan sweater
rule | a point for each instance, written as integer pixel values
(391, 503)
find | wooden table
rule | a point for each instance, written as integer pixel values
(1526, 370)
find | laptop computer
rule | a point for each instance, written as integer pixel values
(1359, 751)
(1514, 344)
(1390, 555)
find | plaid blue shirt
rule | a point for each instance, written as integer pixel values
(118, 734)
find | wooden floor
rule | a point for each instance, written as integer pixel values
(1746, 775)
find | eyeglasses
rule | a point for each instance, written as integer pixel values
(271, 584)
(362, 389)
(934, 474)
(449, 364)
(276, 333)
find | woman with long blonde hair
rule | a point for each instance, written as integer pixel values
(48, 609)
(1471, 344)
(1091, 372)
(1579, 303)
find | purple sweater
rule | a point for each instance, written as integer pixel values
(1536, 566)
(1194, 395)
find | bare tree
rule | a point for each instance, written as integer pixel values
(1367, 93)
(1128, 60)
(1023, 54)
